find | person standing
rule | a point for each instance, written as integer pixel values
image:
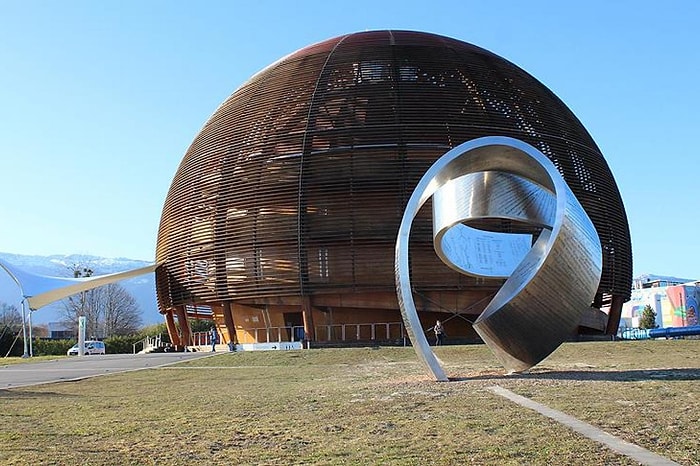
(439, 333)
(213, 337)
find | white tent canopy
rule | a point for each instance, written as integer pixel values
(40, 290)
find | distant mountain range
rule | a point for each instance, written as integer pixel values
(141, 288)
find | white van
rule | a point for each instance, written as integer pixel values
(91, 347)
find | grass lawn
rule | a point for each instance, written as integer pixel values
(14, 360)
(363, 406)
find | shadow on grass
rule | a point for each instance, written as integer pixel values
(598, 376)
(19, 393)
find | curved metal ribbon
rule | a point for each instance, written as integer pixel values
(549, 283)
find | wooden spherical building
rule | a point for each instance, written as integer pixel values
(281, 220)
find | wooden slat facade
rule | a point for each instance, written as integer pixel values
(294, 188)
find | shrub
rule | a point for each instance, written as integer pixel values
(47, 347)
(7, 338)
(122, 344)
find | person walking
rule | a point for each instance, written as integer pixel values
(439, 333)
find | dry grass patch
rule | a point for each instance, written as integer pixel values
(646, 392)
(10, 361)
(359, 406)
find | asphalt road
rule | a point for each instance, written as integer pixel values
(76, 368)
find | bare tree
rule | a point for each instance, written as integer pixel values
(108, 310)
(10, 317)
(121, 314)
(10, 325)
(81, 304)
(76, 306)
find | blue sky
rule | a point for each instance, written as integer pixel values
(99, 101)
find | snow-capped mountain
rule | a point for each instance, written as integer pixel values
(141, 288)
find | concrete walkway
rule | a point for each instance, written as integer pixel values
(75, 368)
(637, 453)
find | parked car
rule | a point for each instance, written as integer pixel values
(91, 347)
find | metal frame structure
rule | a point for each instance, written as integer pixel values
(39, 290)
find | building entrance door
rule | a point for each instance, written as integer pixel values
(294, 323)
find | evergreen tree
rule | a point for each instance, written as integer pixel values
(648, 319)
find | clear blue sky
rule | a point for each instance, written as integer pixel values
(99, 101)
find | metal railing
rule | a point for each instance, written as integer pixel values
(201, 339)
(381, 331)
(633, 333)
(272, 334)
(360, 332)
(148, 343)
(324, 333)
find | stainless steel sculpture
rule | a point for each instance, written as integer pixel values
(549, 282)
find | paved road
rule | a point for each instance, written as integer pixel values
(74, 368)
